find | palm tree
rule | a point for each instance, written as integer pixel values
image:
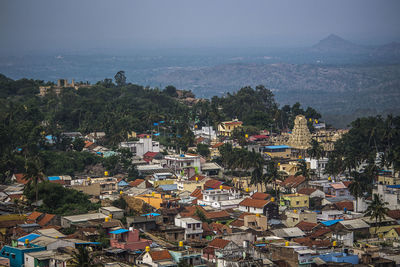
(82, 258)
(34, 174)
(357, 186)
(377, 210)
(316, 151)
(303, 170)
(271, 175)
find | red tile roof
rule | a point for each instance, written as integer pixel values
(219, 243)
(220, 228)
(293, 181)
(259, 195)
(191, 210)
(347, 183)
(88, 144)
(345, 204)
(197, 193)
(255, 203)
(159, 255)
(206, 227)
(397, 230)
(320, 232)
(46, 219)
(217, 214)
(306, 226)
(200, 177)
(149, 154)
(20, 177)
(395, 214)
(237, 223)
(214, 184)
(307, 191)
(338, 186)
(34, 215)
(217, 145)
(136, 182)
(15, 196)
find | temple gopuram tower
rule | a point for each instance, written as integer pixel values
(300, 137)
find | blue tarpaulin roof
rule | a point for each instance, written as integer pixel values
(53, 178)
(331, 222)
(276, 147)
(394, 186)
(151, 214)
(119, 231)
(30, 237)
(122, 183)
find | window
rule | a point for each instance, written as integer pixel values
(189, 225)
(305, 201)
(297, 202)
(198, 225)
(13, 255)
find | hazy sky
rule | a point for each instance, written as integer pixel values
(86, 24)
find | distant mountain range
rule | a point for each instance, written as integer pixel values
(336, 44)
(337, 77)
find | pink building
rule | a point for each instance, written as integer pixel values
(128, 239)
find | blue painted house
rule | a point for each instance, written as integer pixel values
(16, 254)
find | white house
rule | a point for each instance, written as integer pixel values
(179, 162)
(389, 194)
(156, 258)
(51, 257)
(220, 198)
(318, 165)
(253, 205)
(141, 147)
(193, 227)
(206, 132)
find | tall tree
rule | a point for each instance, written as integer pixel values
(377, 210)
(303, 170)
(357, 186)
(34, 173)
(81, 257)
(271, 175)
(120, 78)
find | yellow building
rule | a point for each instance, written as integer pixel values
(295, 201)
(155, 199)
(281, 151)
(226, 128)
(388, 180)
(393, 234)
(191, 185)
(290, 168)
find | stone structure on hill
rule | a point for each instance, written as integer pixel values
(300, 137)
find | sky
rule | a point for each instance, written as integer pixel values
(47, 25)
